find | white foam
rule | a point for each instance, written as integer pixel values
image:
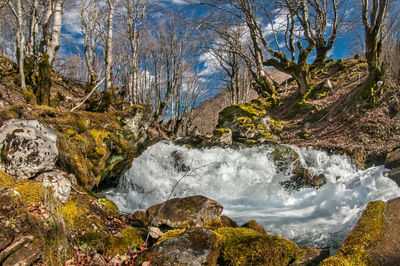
(247, 183)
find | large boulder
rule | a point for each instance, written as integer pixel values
(27, 148)
(393, 162)
(179, 212)
(195, 246)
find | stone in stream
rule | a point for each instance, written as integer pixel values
(393, 163)
(27, 148)
(193, 211)
(195, 246)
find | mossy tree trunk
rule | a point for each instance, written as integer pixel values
(44, 83)
(373, 21)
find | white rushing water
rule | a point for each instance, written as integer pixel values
(247, 183)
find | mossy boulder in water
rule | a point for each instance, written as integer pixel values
(181, 212)
(243, 246)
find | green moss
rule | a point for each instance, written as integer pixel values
(101, 151)
(82, 124)
(170, 234)
(6, 180)
(110, 206)
(29, 97)
(131, 237)
(69, 132)
(31, 192)
(366, 235)
(214, 224)
(242, 246)
(71, 213)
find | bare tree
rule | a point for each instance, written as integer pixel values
(19, 15)
(373, 17)
(109, 43)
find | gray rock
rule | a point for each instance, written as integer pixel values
(195, 211)
(27, 148)
(393, 163)
(58, 182)
(196, 246)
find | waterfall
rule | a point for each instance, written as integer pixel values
(248, 183)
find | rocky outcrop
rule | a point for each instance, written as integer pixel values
(96, 147)
(252, 224)
(393, 162)
(195, 246)
(181, 212)
(27, 148)
(250, 122)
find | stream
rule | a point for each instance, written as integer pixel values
(247, 182)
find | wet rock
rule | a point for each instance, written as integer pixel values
(195, 246)
(313, 256)
(393, 162)
(285, 157)
(58, 182)
(302, 178)
(228, 222)
(27, 148)
(252, 224)
(193, 211)
(139, 218)
(179, 162)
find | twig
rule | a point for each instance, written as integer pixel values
(87, 97)
(188, 173)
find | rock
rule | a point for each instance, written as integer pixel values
(301, 178)
(27, 148)
(193, 211)
(58, 182)
(313, 256)
(252, 224)
(387, 252)
(243, 246)
(155, 232)
(98, 260)
(221, 137)
(367, 234)
(139, 218)
(393, 162)
(195, 246)
(285, 157)
(228, 222)
(179, 162)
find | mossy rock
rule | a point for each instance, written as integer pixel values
(252, 224)
(243, 246)
(285, 156)
(128, 237)
(367, 234)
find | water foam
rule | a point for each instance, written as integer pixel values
(247, 183)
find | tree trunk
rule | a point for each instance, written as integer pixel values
(109, 45)
(321, 55)
(54, 42)
(44, 84)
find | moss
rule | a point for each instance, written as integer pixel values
(6, 180)
(69, 132)
(31, 192)
(110, 206)
(214, 224)
(131, 237)
(71, 213)
(29, 97)
(101, 151)
(366, 235)
(242, 246)
(170, 234)
(82, 124)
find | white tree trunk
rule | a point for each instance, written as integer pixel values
(54, 42)
(109, 43)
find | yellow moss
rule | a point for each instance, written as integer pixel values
(242, 246)
(214, 224)
(6, 180)
(131, 237)
(101, 151)
(170, 234)
(29, 97)
(69, 132)
(110, 206)
(71, 213)
(99, 136)
(367, 234)
(30, 191)
(82, 124)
